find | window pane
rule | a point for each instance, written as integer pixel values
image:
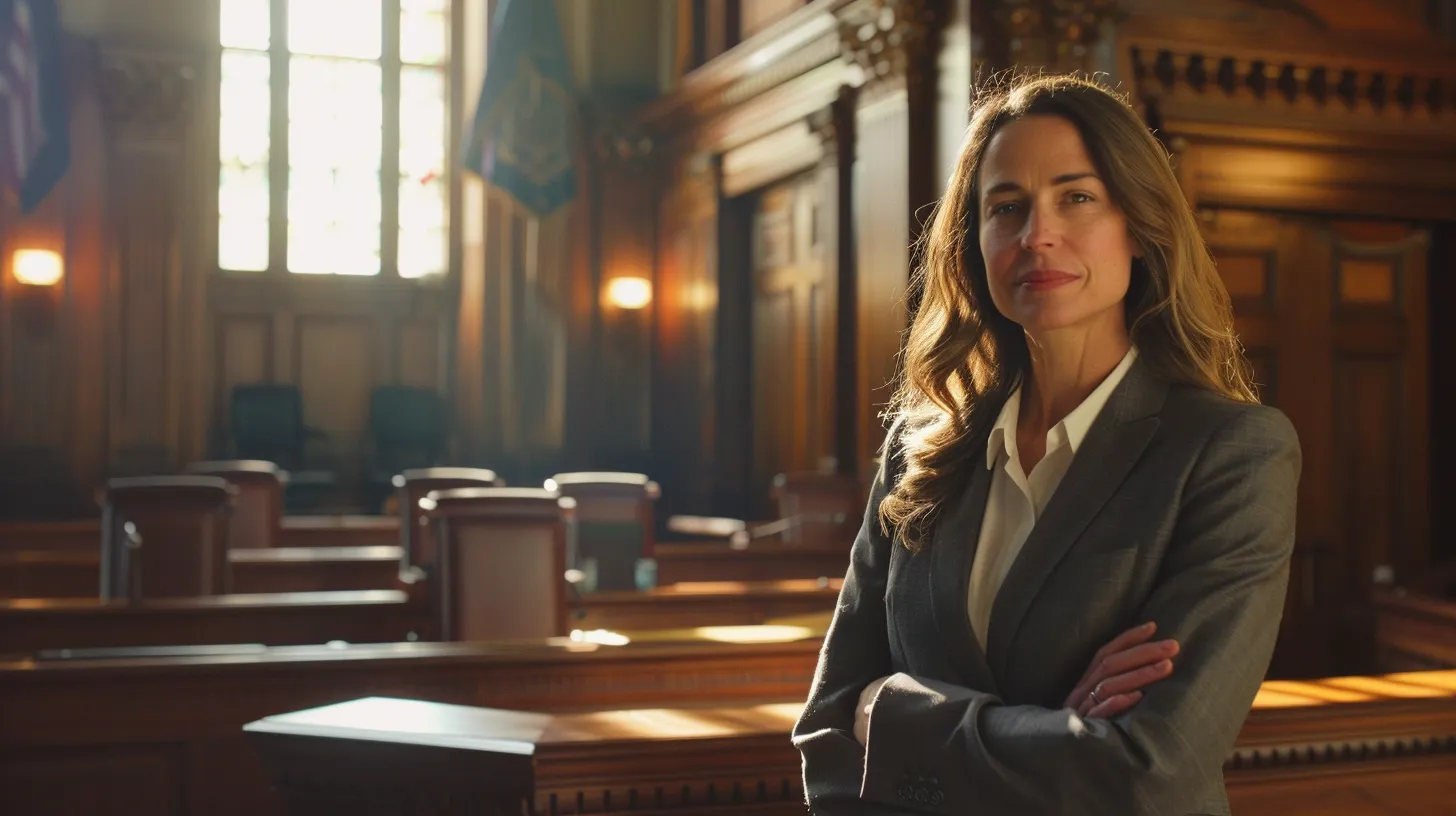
(244, 24)
(422, 192)
(243, 160)
(335, 28)
(242, 245)
(422, 31)
(334, 138)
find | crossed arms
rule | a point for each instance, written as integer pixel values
(1220, 595)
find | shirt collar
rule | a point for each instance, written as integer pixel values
(1075, 425)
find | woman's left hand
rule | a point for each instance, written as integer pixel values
(862, 710)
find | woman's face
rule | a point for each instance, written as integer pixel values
(1057, 250)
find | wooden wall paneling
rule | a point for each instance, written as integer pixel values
(495, 319)
(132, 779)
(337, 365)
(626, 196)
(469, 24)
(685, 377)
(1284, 324)
(419, 354)
(770, 158)
(1441, 285)
(898, 54)
(244, 350)
(734, 463)
(792, 319)
(1381, 409)
(835, 125)
(155, 278)
(86, 261)
(1333, 314)
(35, 369)
(881, 227)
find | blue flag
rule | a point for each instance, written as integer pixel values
(35, 135)
(522, 137)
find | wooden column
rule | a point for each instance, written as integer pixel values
(896, 44)
(686, 380)
(835, 126)
(155, 327)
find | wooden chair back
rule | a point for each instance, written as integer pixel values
(819, 508)
(614, 523)
(257, 512)
(165, 537)
(416, 540)
(501, 568)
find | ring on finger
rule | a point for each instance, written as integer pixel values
(1092, 695)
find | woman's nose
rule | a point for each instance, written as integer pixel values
(1042, 229)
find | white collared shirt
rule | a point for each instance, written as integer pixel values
(1017, 499)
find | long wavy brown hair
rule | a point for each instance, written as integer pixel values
(963, 358)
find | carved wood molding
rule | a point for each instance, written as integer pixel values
(892, 39)
(1054, 34)
(148, 94)
(1274, 89)
(1339, 751)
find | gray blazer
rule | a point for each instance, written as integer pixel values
(1178, 508)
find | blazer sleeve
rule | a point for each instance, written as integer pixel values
(856, 652)
(1220, 595)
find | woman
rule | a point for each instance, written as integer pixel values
(1077, 460)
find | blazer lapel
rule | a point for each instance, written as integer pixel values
(1113, 445)
(952, 550)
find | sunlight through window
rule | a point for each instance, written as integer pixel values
(344, 72)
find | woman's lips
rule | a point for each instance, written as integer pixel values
(1039, 280)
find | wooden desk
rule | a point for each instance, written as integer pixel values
(80, 535)
(84, 535)
(339, 531)
(164, 734)
(77, 574)
(681, 562)
(28, 625)
(314, 569)
(723, 603)
(1355, 746)
(1414, 632)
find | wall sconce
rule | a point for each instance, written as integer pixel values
(38, 267)
(629, 293)
(38, 273)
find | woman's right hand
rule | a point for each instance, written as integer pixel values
(1120, 671)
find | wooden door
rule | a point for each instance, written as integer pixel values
(1333, 316)
(793, 335)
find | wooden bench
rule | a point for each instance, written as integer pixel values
(80, 535)
(84, 535)
(163, 733)
(1339, 747)
(67, 574)
(720, 603)
(28, 625)
(679, 562)
(1414, 631)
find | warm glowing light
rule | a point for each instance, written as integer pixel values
(629, 293)
(766, 633)
(601, 637)
(38, 267)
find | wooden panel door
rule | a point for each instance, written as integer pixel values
(1333, 315)
(793, 335)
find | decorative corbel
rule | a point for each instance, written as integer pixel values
(1055, 35)
(892, 39)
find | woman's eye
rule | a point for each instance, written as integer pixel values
(1005, 208)
(1079, 198)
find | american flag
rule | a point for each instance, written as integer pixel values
(34, 120)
